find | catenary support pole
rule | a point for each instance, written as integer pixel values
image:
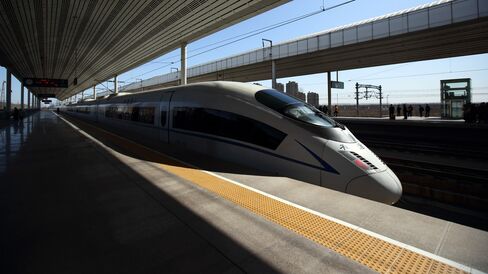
(329, 94)
(357, 99)
(94, 92)
(116, 85)
(381, 105)
(183, 64)
(273, 74)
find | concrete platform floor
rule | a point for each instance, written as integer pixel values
(71, 205)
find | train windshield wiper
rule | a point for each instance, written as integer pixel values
(339, 125)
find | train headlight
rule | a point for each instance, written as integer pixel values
(362, 164)
(358, 160)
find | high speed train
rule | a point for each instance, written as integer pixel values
(252, 126)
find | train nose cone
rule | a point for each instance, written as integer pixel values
(384, 187)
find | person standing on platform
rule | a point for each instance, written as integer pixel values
(405, 114)
(410, 110)
(15, 114)
(399, 110)
(392, 112)
(336, 110)
(421, 110)
(427, 110)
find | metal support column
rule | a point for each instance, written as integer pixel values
(94, 92)
(273, 74)
(381, 105)
(329, 94)
(9, 92)
(28, 99)
(22, 95)
(116, 85)
(183, 64)
(82, 95)
(357, 99)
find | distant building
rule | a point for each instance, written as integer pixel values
(313, 99)
(301, 96)
(292, 88)
(280, 87)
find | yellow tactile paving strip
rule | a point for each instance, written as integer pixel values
(375, 253)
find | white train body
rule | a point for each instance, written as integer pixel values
(251, 126)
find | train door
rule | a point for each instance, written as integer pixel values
(164, 121)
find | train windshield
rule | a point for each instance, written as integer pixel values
(307, 114)
(293, 108)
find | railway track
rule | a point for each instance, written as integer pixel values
(430, 149)
(444, 171)
(455, 193)
(457, 197)
(443, 167)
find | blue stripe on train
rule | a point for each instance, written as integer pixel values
(325, 165)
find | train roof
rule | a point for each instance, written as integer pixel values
(243, 90)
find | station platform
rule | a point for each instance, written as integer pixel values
(77, 199)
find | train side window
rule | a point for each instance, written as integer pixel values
(163, 117)
(227, 124)
(146, 115)
(111, 112)
(135, 114)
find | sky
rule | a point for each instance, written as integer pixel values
(415, 82)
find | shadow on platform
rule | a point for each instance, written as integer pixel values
(67, 208)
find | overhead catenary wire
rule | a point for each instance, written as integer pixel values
(379, 72)
(425, 74)
(243, 36)
(403, 76)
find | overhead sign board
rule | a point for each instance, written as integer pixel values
(45, 83)
(337, 84)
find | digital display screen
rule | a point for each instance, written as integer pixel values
(45, 83)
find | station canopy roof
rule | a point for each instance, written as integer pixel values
(87, 42)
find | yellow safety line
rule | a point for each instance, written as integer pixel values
(375, 253)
